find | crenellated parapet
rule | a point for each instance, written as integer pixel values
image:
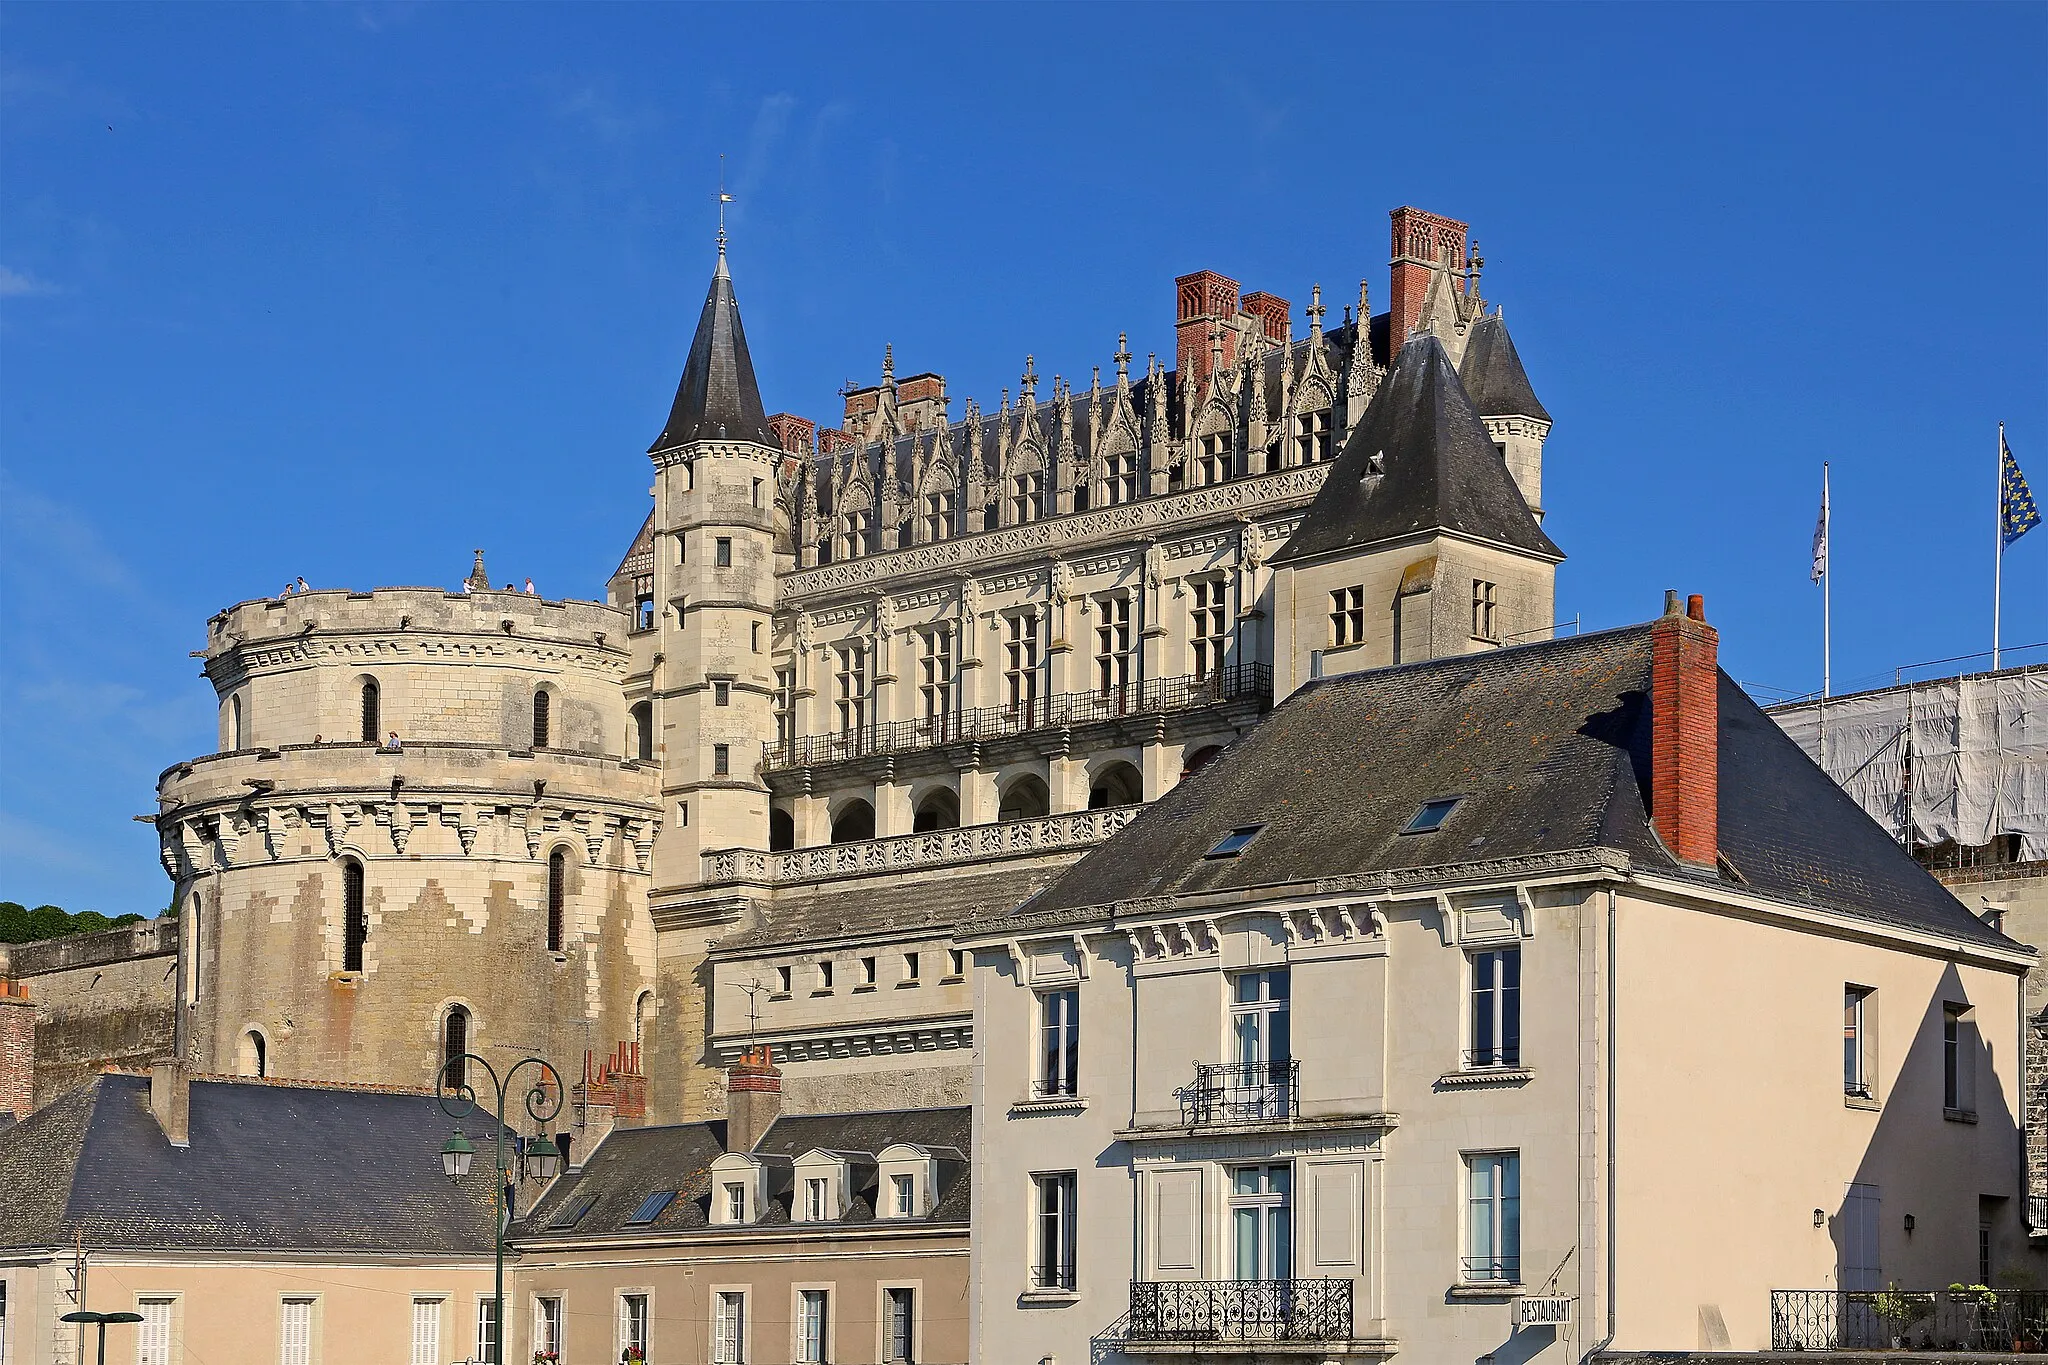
(427, 802)
(427, 664)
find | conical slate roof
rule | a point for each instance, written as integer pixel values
(1494, 376)
(1418, 460)
(718, 398)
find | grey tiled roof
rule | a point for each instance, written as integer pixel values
(718, 397)
(1419, 460)
(633, 1163)
(270, 1167)
(1547, 745)
(854, 907)
(1494, 376)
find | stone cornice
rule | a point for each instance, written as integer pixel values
(771, 456)
(882, 1038)
(1052, 834)
(1147, 517)
(1408, 883)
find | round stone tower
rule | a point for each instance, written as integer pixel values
(421, 835)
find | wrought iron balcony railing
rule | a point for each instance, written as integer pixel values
(1506, 1057)
(1241, 1092)
(2037, 1213)
(1053, 1276)
(1998, 1321)
(1152, 697)
(1238, 1310)
(1490, 1269)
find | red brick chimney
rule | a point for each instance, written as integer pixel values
(1271, 310)
(1203, 301)
(1685, 745)
(753, 1099)
(1422, 241)
(797, 434)
(17, 1050)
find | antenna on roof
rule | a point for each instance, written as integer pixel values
(753, 990)
(723, 200)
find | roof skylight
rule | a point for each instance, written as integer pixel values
(651, 1207)
(1233, 843)
(1432, 815)
(571, 1213)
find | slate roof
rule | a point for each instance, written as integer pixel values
(717, 398)
(269, 1168)
(1419, 460)
(633, 1163)
(838, 909)
(1493, 373)
(1547, 745)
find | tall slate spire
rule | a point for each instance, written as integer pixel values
(1419, 460)
(718, 398)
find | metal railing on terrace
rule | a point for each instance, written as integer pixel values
(1241, 1092)
(1154, 696)
(1173, 1311)
(1999, 1321)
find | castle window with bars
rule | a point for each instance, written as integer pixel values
(355, 919)
(558, 887)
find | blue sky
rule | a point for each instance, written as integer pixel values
(345, 290)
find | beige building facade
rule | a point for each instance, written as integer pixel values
(1524, 1022)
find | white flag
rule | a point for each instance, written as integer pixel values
(1820, 531)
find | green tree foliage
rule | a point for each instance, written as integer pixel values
(19, 924)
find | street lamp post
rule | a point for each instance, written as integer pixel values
(102, 1319)
(458, 1099)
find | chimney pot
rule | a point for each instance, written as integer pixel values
(1696, 608)
(1671, 601)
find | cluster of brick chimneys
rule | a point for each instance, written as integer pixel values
(1685, 732)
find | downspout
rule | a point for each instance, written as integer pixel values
(1597, 1347)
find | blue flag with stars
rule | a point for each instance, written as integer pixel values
(2017, 513)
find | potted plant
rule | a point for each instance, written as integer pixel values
(632, 1355)
(547, 1358)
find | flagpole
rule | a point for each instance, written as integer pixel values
(1827, 591)
(1998, 546)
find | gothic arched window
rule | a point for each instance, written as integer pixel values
(454, 1042)
(371, 717)
(558, 881)
(541, 705)
(355, 921)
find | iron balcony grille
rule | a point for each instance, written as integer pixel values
(1052, 1276)
(1479, 1059)
(2037, 1213)
(1490, 1270)
(1239, 1310)
(1996, 1321)
(1155, 696)
(1241, 1092)
(1054, 1088)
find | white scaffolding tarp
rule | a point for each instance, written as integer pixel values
(1963, 759)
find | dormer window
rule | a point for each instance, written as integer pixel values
(912, 1178)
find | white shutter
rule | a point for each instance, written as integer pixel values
(426, 1332)
(153, 1337)
(295, 1332)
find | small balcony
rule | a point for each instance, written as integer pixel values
(1061, 711)
(1178, 1315)
(1241, 1092)
(1983, 1321)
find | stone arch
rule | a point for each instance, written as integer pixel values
(853, 821)
(252, 1052)
(1212, 454)
(455, 1030)
(1024, 797)
(1116, 782)
(369, 694)
(644, 1008)
(781, 830)
(936, 809)
(641, 716)
(1197, 756)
